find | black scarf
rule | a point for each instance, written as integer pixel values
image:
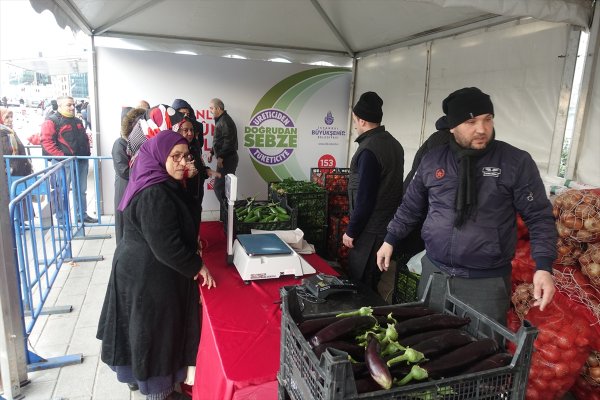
(466, 194)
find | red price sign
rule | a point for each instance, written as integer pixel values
(326, 161)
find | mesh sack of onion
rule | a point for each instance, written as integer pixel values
(561, 348)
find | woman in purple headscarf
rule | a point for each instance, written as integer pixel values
(150, 321)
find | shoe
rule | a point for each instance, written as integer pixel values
(133, 387)
(90, 220)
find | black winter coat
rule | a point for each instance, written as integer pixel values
(121, 166)
(150, 318)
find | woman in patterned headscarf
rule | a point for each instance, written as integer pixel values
(12, 145)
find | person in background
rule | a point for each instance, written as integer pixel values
(225, 146)
(63, 135)
(156, 119)
(12, 145)
(374, 188)
(149, 324)
(129, 117)
(468, 191)
(51, 109)
(85, 115)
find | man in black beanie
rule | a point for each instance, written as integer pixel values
(374, 188)
(468, 192)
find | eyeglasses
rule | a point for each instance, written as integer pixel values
(178, 157)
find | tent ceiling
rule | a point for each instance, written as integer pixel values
(346, 28)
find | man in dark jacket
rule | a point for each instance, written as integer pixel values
(63, 134)
(468, 192)
(225, 146)
(374, 188)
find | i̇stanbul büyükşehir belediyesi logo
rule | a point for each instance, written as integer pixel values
(271, 136)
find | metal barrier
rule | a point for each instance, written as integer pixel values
(46, 214)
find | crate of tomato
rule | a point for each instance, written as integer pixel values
(334, 180)
(336, 250)
(469, 360)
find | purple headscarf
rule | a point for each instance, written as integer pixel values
(149, 166)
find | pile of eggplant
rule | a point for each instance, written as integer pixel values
(393, 345)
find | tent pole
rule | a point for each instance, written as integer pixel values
(564, 100)
(352, 97)
(586, 89)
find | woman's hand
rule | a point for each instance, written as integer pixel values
(191, 169)
(207, 279)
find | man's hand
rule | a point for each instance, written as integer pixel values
(543, 288)
(384, 255)
(210, 156)
(348, 241)
(219, 162)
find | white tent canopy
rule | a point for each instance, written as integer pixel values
(523, 52)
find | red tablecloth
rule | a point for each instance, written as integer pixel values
(238, 356)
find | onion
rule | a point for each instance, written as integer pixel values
(592, 360)
(592, 224)
(594, 373)
(571, 221)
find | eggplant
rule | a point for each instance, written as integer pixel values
(494, 361)
(429, 323)
(340, 328)
(443, 343)
(353, 350)
(454, 362)
(377, 367)
(400, 312)
(366, 384)
(311, 326)
(412, 340)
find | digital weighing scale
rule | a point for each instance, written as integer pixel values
(259, 256)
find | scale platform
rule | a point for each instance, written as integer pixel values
(266, 256)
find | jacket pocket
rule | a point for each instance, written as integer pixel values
(476, 248)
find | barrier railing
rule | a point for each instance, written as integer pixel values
(47, 215)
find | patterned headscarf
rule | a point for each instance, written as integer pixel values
(149, 168)
(157, 119)
(4, 112)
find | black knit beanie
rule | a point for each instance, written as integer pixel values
(368, 107)
(466, 103)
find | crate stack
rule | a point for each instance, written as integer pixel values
(335, 182)
(310, 202)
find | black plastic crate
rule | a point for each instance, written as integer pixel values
(338, 204)
(334, 180)
(406, 285)
(336, 251)
(302, 376)
(317, 236)
(311, 206)
(240, 227)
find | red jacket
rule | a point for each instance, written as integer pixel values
(62, 136)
